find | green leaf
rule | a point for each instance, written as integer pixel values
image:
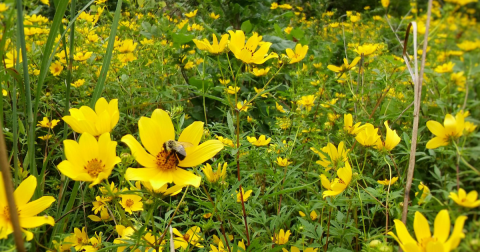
(230, 124)
(279, 44)
(182, 38)
(246, 26)
(200, 84)
(297, 33)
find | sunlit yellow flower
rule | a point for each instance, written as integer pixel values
(225, 141)
(295, 249)
(127, 46)
(368, 136)
(103, 119)
(243, 106)
(425, 241)
(262, 140)
(298, 55)
(191, 14)
(387, 181)
(125, 233)
(459, 79)
(313, 214)
(260, 90)
(3, 7)
(80, 239)
(445, 68)
(469, 127)
(46, 137)
(345, 67)
(282, 162)
(336, 158)
(451, 130)
(78, 83)
(273, 6)
(4, 92)
(355, 18)
(56, 68)
(391, 140)
(164, 190)
(469, 200)
(328, 103)
(281, 237)
(192, 236)
(207, 216)
(27, 211)
(288, 29)
(385, 3)
(214, 48)
(161, 165)
(425, 192)
(260, 71)
(221, 247)
(11, 58)
(307, 102)
(232, 90)
(285, 6)
(349, 127)
(82, 56)
(468, 45)
(279, 108)
(131, 202)
(45, 123)
(337, 185)
(366, 49)
(246, 195)
(89, 160)
(224, 82)
(212, 15)
(247, 52)
(215, 176)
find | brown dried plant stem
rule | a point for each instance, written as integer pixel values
(239, 178)
(416, 111)
(7, 183)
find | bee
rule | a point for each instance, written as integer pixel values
(176, 148)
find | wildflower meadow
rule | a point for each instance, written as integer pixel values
(239, 125)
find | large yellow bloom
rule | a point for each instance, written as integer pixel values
(336, 157)
(469, 200)
(345, 67)
(162, 166)
(425, 242)
(248, 52)
(27, 211)
(451, 130)
(298, 55)
(89, 160)
(192, 236)
(391, 139)
(348, 125)
(215, 47)
(366, 49)
(102, 120)
(281, 237)
(338, 185)
(368, 136)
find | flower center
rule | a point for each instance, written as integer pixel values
(6, 213)
(94, 167)
(129, 202)
(166, 160)
(424, 242)
(186, 237)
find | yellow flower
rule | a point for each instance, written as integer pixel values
(224, 82)
(212, 15)
(78, 83)
(451, 130)
(225, 141)
(288, 29)
(124, 233)
(3, 7)
(328, 103)
(468, 45)
(89, 160)
(385, 3)
(282, 162)
(215, 176)
(45, 123)
(295, 249)
(191, 14)
(192, 236)
(349, 127)
(459, 80)
(82, 56)
(345, 67)
(248, 52)
(56, 68)
(366, 49)
(27, 211)
(102, 120)
(425, 192)
(207, 215)
(368, 136)
(445, 68)
(46, 137)
(281, 237)
(161, 165)
(273, 6)
(127, 46)
(260, 90)
(469, 127)
(387, 181)
(221, 247)
(4, 92)
(246, 195)
(262, 140)
(391, 140)
(355, 18)
(12, 57)
(131, 202)
(164, 190)
(425, 241)
(313, 214)
(80, 239)
(469, 200)
(260, 71)
(285, 6)
(243, 106)
(337, 185)
(298, 55)
(232, 90)
(336, 157)
(307, 102)
(214, 48)
(279, 108)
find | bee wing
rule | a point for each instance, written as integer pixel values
(185, 144)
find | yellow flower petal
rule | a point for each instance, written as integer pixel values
(442, 226)
(421, 227)
(151, 135)
(192, 134)
(202, 153)
(36, 221)
(37, 206)
(139, 152)
(166, 126)
(25, 190)
(436, 142)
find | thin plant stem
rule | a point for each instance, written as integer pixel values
(239, 178)
(173, 216)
